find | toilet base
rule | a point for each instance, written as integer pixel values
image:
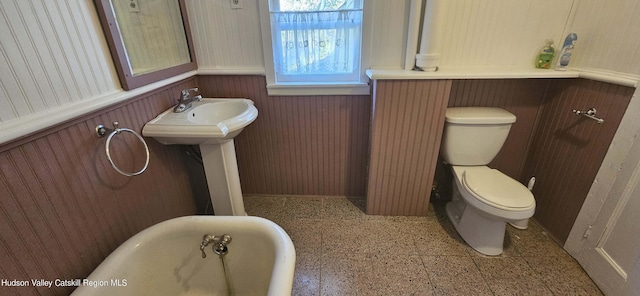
(481, 233)
(520, 224)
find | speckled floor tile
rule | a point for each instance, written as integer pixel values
(342, 251)
(395, 273)
(305, 233)
(345, 274)
(455, 275)
(345, 209)
(365, 236)
(431, 215)
(563, 275)
(302, 207)
(346, 236)
(510, 276)
(270, 207)
(306, 280)
(432, 238)
(534, 241)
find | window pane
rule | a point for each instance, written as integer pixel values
(317, 5)
(317, 43)
(317, 40)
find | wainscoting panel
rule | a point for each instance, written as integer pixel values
(522, 97)
(568, 150)
(53, 53)
(63, 208)
(306, 145)
(408, 119)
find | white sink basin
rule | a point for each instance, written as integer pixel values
(210, 121)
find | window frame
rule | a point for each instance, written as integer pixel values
(361, 87)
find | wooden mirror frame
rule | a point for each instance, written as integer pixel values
(119, 55)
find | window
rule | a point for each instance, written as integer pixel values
(315, 43)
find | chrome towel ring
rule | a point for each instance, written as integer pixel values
(101, 131)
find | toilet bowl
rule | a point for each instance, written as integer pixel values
(484, 199)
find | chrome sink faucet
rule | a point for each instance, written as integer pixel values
(185, 100)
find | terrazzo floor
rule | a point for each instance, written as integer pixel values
(342, 251)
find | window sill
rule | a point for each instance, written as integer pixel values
(326, 89)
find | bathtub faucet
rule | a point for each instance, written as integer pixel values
(219, 244)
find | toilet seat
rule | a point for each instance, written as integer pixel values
(496, 189)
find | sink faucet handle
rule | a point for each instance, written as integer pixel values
(226, 239)
(206, 239)
(185, 92)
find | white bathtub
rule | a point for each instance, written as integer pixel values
(165, 259)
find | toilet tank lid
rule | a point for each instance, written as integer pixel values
(479, 115)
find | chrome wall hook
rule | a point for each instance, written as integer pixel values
(102, 130)
(591, 114)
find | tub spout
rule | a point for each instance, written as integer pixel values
(219, 244)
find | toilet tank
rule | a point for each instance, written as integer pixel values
(474, 135)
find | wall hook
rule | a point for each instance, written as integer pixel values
(591, 114)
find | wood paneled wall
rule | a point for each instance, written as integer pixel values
(407, 126)
(63, 208)
(522, 97)
(568, 150)
(298, 145)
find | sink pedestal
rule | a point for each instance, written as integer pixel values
(212, 124)
(223, 180)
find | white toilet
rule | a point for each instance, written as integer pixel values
(484, 199)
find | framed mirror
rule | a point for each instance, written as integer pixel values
(149, 40)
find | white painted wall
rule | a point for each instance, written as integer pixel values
(500, 33)
(225, 38)
(608, 35)
(389, 33)
(52, 53)
(491, 33)
(229, 40)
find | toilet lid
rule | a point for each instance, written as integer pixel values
(497, 189)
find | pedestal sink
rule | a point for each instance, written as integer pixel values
(212, 124)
